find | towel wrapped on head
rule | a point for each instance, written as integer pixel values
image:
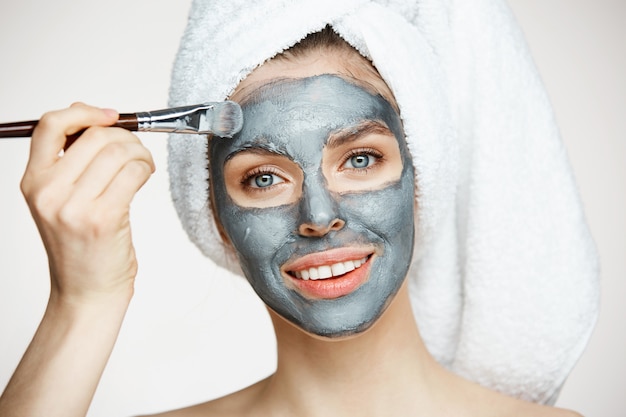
(503, 281)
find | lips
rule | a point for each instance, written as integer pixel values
(330, 274)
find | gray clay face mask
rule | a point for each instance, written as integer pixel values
(363, 237)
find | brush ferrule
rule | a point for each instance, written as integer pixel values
(188, 119)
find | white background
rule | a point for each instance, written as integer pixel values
(194, 332)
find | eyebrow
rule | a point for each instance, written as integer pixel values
(256, 149)
(350, 134)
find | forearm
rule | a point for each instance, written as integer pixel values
(60, 370)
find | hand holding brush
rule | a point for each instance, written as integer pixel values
(223, 119)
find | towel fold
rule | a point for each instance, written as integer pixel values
(504, 279)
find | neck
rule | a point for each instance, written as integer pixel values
(384, 368)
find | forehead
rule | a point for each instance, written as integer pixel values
(345, 62)
(297, 116)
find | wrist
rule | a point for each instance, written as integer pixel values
(70, 305)
(68, 353)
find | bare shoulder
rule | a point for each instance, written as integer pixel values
(556, 412)
(566, 413)
(526, 409)
(486, 402)
(240, 403)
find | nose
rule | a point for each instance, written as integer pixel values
(319, 230)
(318, 213)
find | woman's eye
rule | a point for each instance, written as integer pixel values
(360, 161)
(264, 180)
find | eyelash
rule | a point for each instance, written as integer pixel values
(249, 176)
(362, 151)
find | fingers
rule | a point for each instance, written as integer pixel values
(101, 158)
(127, 182)
(50, 134)
(80, 201)
(119, 169)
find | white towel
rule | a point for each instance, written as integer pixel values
(504, 281)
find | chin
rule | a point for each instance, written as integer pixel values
(335, 320)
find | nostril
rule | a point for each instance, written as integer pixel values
(306, 230)
(309, 229)
(337, 224)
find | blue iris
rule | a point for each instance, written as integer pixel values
(360, 161)
(264, 180)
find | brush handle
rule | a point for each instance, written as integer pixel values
(25, 129)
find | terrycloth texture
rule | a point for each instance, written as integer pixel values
(504, 278)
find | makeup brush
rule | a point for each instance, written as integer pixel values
(222, 119)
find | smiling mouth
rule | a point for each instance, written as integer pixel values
(330, 274)
(329, 271)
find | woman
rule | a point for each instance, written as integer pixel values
(308, 184)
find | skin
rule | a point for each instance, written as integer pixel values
(80, 202)
(339, 186)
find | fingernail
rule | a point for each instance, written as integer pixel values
(110, 113)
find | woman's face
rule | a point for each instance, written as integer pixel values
(316, 195)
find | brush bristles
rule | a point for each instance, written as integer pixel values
(228, 119)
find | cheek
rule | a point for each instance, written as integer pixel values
(257, 234)
(388, 212)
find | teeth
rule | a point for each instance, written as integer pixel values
(325, 272)
(338, 269)
(328, 271)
